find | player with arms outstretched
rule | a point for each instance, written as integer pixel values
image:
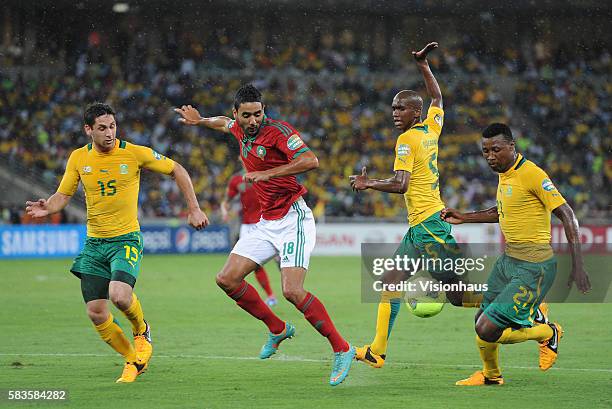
(273, 153)
(108, 265)
(251, 213)
(522, 276)
(416, 177)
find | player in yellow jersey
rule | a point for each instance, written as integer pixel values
(108, 265)
(522, 276)
(416, 177)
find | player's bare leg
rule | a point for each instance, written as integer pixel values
(292, 279)
(231, 280)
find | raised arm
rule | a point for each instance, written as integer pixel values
(396, 184)
(196, 217)
(42, 208)
(433, 89)
(191, 116)
(572, 233)
(454, 216)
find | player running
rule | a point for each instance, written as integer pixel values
(416, 177)
(522, 276)
(273, 153)
(108, 265)
(251, 213)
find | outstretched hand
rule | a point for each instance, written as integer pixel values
(197, 219)
(581, 278)
(360, 182)
(452, 216)
(189, 115)
(422, 55)
(37, 209)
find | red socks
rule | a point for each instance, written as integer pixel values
(249, 300)
(262, 278)
(315, 313)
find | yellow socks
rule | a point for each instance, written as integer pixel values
(471, 299)
(388, 308)
(113, 335)
(489, 351)
(135, 315)
(538, 333)
(489, 354)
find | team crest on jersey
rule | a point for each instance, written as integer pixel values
(261, 152)
(87, 170)
(123, 169)
(438, 119)
(403, 150)
(509, 191)
(294, 142)
(547, 185)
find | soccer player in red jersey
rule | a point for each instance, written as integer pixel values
(273, 153)
(251, 213)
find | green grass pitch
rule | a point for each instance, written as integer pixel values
(206, 348)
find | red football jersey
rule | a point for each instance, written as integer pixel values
(251, 212)
(275, 144)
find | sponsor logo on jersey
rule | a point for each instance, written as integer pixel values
(547, 185)
(123, 169)
(403, 150)
(294, 142)
(261, 152)
(87, 170)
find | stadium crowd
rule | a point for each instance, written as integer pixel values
(338, 96)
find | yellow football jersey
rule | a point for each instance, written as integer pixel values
(111, 182)
(416, 151)
(525, 198)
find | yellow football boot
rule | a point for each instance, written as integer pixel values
(549, 349)
(365, 354)
(478, 379)
(144, 346)
(130, 371)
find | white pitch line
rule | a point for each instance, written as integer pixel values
(300, 359)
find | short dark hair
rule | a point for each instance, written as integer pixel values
(95, 110)
(247, 93)
(496, 129)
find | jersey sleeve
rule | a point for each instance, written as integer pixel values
(435, 120)
(149, 159)
(70, 180)
(541, 186)
(232, 188)
(290, 142)
(234, 129)
(404, 154)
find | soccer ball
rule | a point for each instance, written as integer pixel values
(424, 302)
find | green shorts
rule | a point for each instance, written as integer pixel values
(112, 258)
(515, 290)
(432, 239)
